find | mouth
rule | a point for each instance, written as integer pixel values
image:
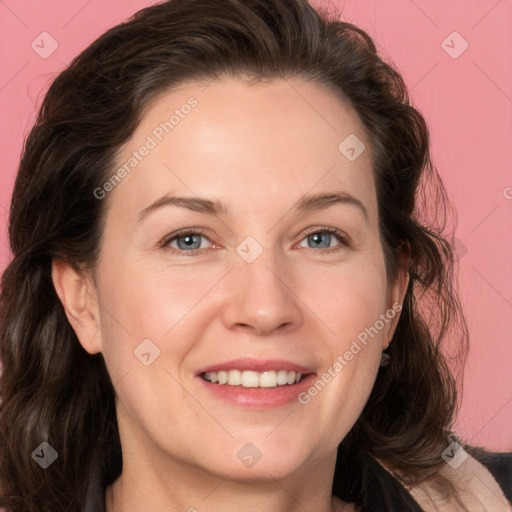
(256, 384)
(253, 379)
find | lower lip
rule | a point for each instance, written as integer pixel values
(258, 398)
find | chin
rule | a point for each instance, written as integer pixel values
(259, 459)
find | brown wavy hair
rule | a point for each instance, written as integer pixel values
(53, 390)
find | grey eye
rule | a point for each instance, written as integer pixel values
(185, 242)
(320, 240)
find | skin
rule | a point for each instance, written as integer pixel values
(257, 148)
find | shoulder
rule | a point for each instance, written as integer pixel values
(482, 480)
(499, 464)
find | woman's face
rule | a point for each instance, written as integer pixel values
(262, 287)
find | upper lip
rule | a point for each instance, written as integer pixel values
(256, 365)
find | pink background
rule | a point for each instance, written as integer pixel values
(467, 102)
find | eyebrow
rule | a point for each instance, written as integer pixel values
(196, 204)
(327, 199)
(319, 201)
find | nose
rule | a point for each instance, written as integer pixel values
(262, 298)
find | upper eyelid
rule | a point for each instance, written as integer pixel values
(185, 232)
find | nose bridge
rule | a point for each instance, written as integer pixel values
(262, 296)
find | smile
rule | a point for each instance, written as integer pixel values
(252, 379)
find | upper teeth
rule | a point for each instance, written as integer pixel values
(250, 379)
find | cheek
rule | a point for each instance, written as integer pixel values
(148, 328)
(348, 298)
(349, 304)
(168, 306)
(145, 302)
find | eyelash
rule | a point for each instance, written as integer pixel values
(340, 235)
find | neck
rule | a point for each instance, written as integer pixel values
(144, 486)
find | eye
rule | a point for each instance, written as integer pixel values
(190, 241)
(323, 238)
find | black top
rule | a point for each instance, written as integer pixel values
(380, 491)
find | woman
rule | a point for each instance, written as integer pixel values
(223, 282)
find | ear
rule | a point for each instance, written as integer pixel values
(79, 298)
(397, 293)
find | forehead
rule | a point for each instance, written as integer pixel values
(246, 144)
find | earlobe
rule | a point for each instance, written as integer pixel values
(78, 297)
